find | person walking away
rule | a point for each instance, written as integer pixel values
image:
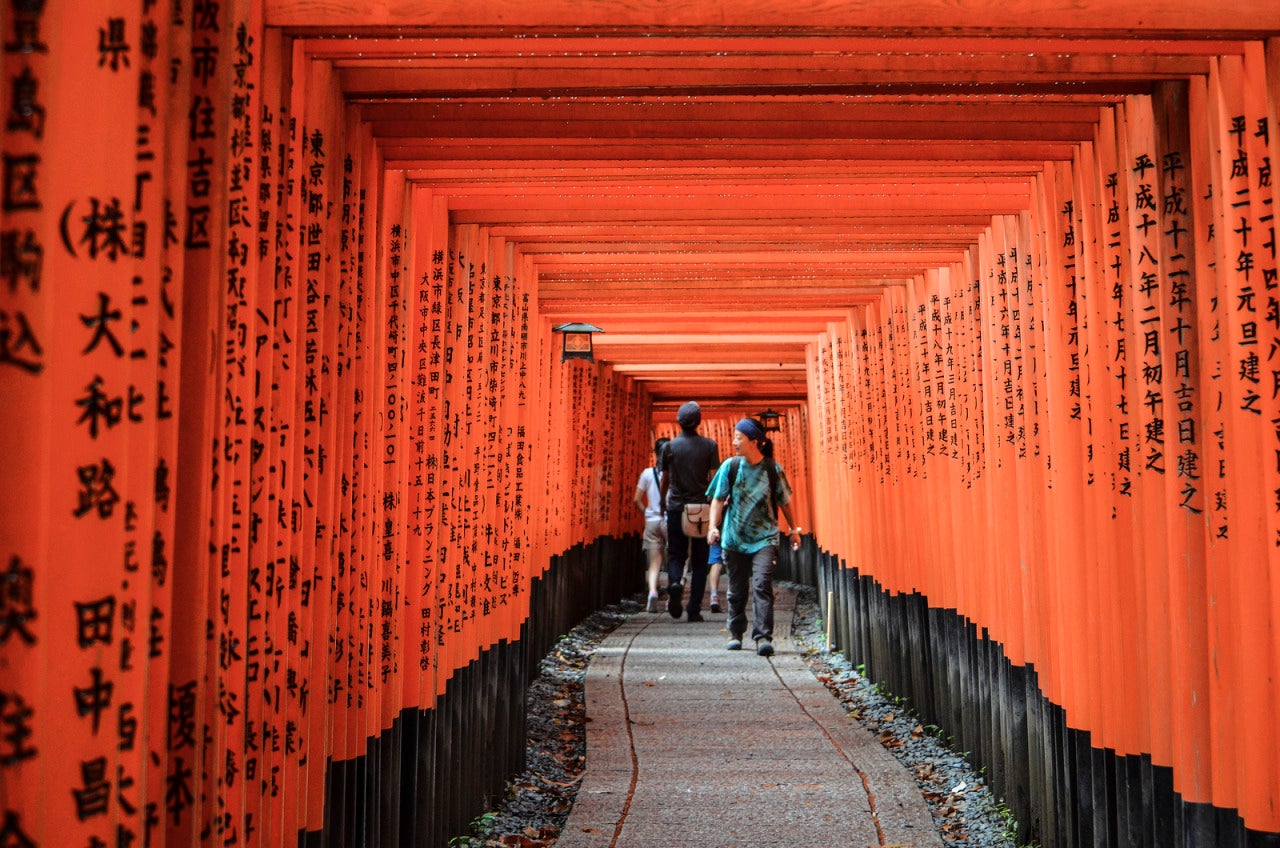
(756, 488)
(688, 463)
(648, 499)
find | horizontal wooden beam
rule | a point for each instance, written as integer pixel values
(643, 73)
(665, 410)
(866, 17)
(463, 196)
(695, 319)
(552, 131)
(378, 83)
(726, 389)
(444, 177)
(641, 150)
(799, 281)
(748, 261)
(365, 48)
(801, 248)
(747, 204)
(671, 171)
(710, 340)
(625, 238)
(707, 364)
(664, 351)
(730, 112)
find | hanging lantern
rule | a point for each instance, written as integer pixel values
(769, 420)
(577, 341)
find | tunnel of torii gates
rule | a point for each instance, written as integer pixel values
(298, 489)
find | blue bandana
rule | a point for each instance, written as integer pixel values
(750, 428)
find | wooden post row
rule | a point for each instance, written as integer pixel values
(285, 449)
(1088, 471)
(90, 379)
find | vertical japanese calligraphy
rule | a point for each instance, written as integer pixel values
(27, 327)
(290, 458)
(1106, 406)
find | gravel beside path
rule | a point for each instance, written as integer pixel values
(538, 801)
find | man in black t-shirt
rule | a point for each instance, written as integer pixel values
(689, 461)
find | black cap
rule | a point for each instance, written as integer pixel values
(690, 414)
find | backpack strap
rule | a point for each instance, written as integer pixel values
(730, 476)
(772, 470)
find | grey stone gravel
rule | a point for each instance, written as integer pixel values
(964, 809)
(537, 802)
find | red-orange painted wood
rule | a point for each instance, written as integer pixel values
(1018, 291)
(982, 17)
(1244, 201)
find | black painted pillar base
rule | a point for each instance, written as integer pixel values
(1064, 791)
(423, 781)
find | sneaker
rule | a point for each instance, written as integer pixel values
(653, 604)
(764, 648)
(735, 644)
(715, 604)
(695, 616)
(675, 594)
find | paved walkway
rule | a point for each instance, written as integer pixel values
(692, 745)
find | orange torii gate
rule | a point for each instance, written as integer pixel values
(297, 486)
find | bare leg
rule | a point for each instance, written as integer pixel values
(655, 566)
(715, 556)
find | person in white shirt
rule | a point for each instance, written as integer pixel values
(648, 499)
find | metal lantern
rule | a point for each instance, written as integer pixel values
(577, 341)
(769, 420)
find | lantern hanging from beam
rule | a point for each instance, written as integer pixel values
(577, 340)
(769, 420)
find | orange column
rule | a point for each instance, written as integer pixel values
(1243, 201)
(456, 449)
(1026, 292)
(429, 247)
(1064, 415)
(1258, 401)
(1094, 469)
(1149, 347)
(988, 597)
(1269, 324)
(1186, 474)
(1128, 335)
(324, 613)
